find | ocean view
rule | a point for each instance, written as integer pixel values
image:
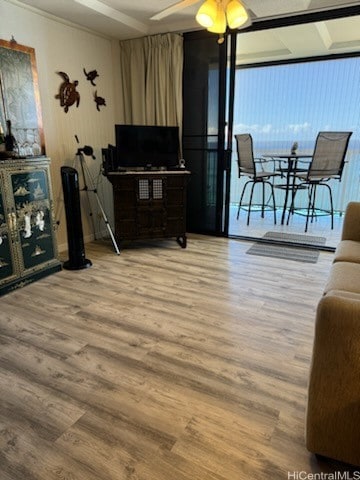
(304, 146)
(266, 147)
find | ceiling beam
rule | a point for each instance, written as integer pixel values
(109, 12)
(173, 9)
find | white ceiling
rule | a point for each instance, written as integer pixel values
(125, 19)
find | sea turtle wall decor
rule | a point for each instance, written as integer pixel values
(100, 101)
(90, 76)
(68, 95)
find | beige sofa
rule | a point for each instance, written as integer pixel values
(333, 409)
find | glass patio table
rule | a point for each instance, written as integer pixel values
(291, 160)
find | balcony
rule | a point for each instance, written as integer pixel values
(343, 191)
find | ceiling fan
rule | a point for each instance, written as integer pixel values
(173, 9)
(214, 15)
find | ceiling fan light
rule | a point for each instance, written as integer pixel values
(207, 13)
(219, 25)
(236, 14)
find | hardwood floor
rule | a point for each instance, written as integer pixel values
(160, 364)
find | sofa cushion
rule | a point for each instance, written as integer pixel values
(344, 276)
(347, 251)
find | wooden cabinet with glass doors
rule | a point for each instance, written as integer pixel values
(28, 248)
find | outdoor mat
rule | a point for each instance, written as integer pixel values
(286, 251)
(295, 238)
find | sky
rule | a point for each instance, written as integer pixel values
(294, 102)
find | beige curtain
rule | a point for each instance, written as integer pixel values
(151, 80)
(132, 75)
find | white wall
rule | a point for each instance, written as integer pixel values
(60, 47)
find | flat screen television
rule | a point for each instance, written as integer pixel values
(147, 146)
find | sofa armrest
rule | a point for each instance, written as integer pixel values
(351, 225)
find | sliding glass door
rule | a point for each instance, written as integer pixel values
(283, 102)
(205, 82)
(275, 81)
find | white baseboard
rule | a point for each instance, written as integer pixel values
(62, 247)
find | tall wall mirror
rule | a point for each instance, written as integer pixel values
(20, 99)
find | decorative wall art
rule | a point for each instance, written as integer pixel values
(20, 98)
(68, 95)
(100, 101)
(90, 76)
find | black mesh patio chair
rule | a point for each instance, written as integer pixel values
(254, 169)
(327, 164)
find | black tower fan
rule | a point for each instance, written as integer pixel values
(70, 184)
